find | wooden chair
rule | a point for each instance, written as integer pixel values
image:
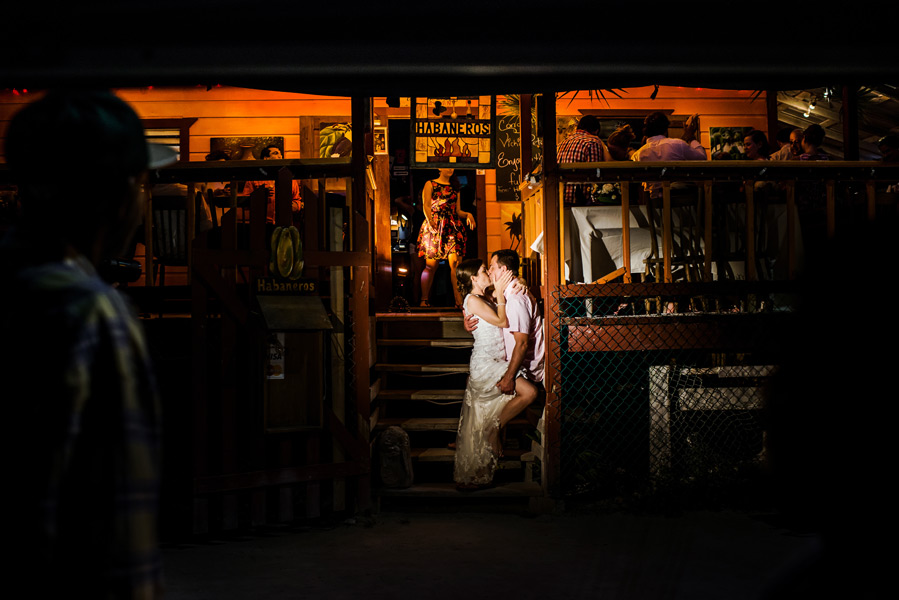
(686, 234)
(170, 234)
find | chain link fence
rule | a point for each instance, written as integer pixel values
(661, 387)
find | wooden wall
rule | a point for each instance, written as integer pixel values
(220, 112)
(233, 112)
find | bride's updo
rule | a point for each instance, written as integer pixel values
(465, 272)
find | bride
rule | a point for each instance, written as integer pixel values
(477, 442)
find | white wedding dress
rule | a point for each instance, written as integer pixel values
(475, 461)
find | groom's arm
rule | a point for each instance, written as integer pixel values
(520, 327)
(507, 383)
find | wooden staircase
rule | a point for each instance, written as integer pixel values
(418, 384)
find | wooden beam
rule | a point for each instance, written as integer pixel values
(750, 230)
(707, 231)
(360, 286)
(552, 270)
(830, 207)
(791, 229)
(626, 229)
(524, 115)
(383, 249)
(666, 232)
(849, 111)
(361, 119)
(481, 200)
(771, 112)
(284, 198)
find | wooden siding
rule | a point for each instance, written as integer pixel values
(231, 112)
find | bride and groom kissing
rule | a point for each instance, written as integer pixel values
(506, 368)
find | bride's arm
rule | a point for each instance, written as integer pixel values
(483, 310)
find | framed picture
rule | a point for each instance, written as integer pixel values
(245, 148)
(380, 140)
(726, 143)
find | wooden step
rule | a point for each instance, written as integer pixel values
(414, 368)
(440, 395)
(421, 326)
(433, 423)
(433, 343)
(512, 458)
(448, 490)
(420, 423)
(419, 316)
(433, 454)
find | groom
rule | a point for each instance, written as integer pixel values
(523, 337)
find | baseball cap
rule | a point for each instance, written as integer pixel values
(80, 132)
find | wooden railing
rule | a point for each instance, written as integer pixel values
(843, 192)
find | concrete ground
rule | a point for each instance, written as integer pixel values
(501, 554)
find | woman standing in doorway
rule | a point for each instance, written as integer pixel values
(442, 234)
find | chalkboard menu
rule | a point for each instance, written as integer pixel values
(508, 156)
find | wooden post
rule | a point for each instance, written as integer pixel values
(191, 225)
(831, 209)
(284, 198)
(750, 230)
(552, 280)
(626, 229)
(481, 199)
(148, 242)
(361, 280)
(666, 231)
(707, 233)
(791, 228)
(872, 200)
(849, 110)
(771, 110)
(524, 115)
(313, 194)
(200, 375)
(383, 249)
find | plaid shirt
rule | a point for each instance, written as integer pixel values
(580, 146)
(86, 411)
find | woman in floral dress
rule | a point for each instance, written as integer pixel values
(442, 234)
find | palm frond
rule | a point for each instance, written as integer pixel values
(597, 95)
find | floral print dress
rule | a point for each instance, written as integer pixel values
(448, 233)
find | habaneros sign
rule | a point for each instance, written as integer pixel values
(454, 131)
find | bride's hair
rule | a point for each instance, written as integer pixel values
(465, 272)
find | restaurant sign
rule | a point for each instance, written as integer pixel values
(454, 131)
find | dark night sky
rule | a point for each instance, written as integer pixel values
(418, 47)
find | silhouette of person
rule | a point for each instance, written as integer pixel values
(86, 467)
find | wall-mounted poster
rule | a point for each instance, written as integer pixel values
(335, 140)
(726, 143)
(380, 140)
(453, 131)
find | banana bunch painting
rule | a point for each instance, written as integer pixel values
(287, 253)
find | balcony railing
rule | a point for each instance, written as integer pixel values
(713, 220)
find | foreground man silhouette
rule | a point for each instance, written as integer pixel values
(82, 408)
